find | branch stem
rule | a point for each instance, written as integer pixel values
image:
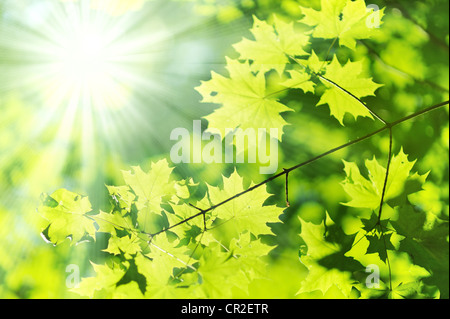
(383, 194)
(285, 172)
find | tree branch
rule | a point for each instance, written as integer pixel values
(388, 126)
(383, 194)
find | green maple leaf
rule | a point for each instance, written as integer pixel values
(366, 193)
(220, 272)
(244, 101)
(324, 256)
(272, 46)
(346, 79)
(151, 187)
(247, 246)
(410, 290)
(323, 279)
(380, 245)
(67, 216)
(250, 253)
(370, 224)
(103, 284)
(122, 197)
(343, 19)
(169, 252)
(190, 230)
(317, 245)
(314, 63)
(245, 213)
(426, 243)
(129, 245)
(158, 265)
(299, 80)
(157, 277)
(113, 222)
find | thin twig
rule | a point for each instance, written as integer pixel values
(388, 263)
(202, 212)
(288, 204)
(328, 53)
(379, 118)
(286, 171)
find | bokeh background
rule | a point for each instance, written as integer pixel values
(56, 132)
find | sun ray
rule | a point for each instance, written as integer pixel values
(98, 77)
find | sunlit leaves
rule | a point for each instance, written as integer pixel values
(427, 241)
(103, 284)
(244, 99)
(250, 253)
(380, 244)
(121, 196)
(185, 254)
(302, 76)
(67, 216)
(246, 213)
(151, 187)
(112, 222)
(164, 243)
(272, 46)
(220, 272)
(243, 96)
(127, 244)
(299, 80)
(344, 19)
(405, 228)
(400, 228)
(366, 193)
(314, 238)
(324, 275)
(346, 87)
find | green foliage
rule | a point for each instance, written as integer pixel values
(349, 78)
(272, 46)
(167, 237)
(343, 19)
(367, 193)
(67, 216)
(245, 97)
(189, 254)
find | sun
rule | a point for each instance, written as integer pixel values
(80, 71)
(99, 86)
(83, 62)
(84, 58)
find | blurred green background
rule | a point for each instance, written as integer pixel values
(56, 133)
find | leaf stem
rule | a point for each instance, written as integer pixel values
(387, 257)
(383, 194)
(323, 78)
(328, 52)
(288, 204)
(379, 118)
